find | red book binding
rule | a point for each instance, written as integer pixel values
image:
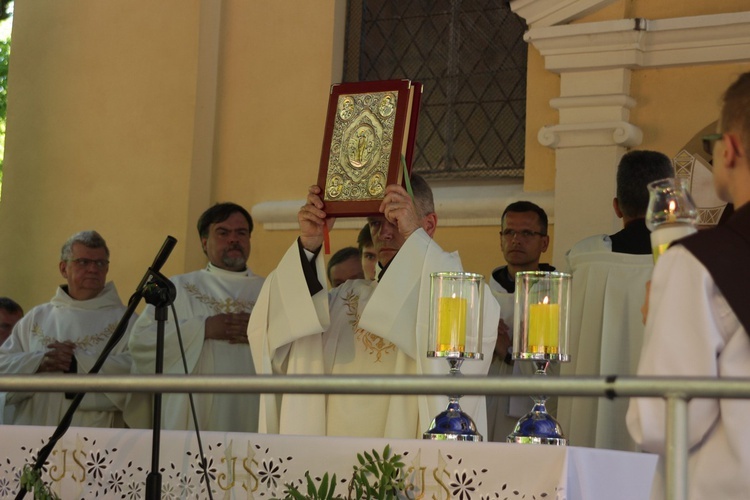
(369, 127)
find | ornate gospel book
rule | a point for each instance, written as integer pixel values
(370, 127)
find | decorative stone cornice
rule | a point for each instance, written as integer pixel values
(592, 101)
(455, 206)
(571, 135)
(539, 13)
(641, 43)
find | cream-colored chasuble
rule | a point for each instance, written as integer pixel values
(89, 324)
(293, 333)
(200, 294)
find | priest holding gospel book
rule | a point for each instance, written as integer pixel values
(362, 327)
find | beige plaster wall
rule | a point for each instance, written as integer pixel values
(663, 9)
(674, 104)
(276, 70)
(132, 124)
(99, 136)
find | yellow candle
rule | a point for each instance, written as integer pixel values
(451, 322)
(544, 320)
(659, 250)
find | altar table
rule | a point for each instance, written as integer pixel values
(113, 463)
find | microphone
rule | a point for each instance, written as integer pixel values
(163, 254)
(159, 261)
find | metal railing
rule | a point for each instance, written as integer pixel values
(677, 392)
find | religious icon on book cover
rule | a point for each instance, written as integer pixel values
(369, 137)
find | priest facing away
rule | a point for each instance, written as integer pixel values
(361, 327)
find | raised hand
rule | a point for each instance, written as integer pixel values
(312, 219)
(398, 209)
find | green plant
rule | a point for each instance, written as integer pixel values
(323, 492)
(377, 476)
(31, 480)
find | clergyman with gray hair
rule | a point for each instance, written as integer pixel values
(66, 335)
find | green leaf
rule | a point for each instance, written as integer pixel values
(332, 489)
(310, 486)
(323, 489)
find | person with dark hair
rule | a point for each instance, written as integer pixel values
(10, 313)
(213, 306)
(698, 307)
(344, 265)
(523, 240)
(67, 335)
(361, 327)
(367, 254)
(606, 333)
(637, 169)
(219, 213)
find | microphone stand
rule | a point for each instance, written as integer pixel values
(160, 293)
(151, 274)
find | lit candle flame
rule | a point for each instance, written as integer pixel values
(672, 208)
(545, 300)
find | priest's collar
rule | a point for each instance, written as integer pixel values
(383, 269)
(107, 298)
(219, 271)
(502, 276)
(108, 286)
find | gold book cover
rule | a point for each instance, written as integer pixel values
(370, 126)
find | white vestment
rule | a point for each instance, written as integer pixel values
(200, 295)
(692, 332)
(606, 334)
(89, 324)
(360, 328)
(503, 412)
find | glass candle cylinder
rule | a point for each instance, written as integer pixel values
(671, 213)
(542, 304)
(455, 314)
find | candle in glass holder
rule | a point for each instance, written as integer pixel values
(544, 324)
(451, 324)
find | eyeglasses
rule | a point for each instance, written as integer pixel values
(708, 142)
(84, 263)
(522, 235)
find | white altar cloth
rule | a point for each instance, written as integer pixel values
(113, 463)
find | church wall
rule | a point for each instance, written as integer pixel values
(99, 136)
(133, 120)
(132, 124)
(672, 105)
(276, 71)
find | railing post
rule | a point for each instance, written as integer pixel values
(676, 460)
